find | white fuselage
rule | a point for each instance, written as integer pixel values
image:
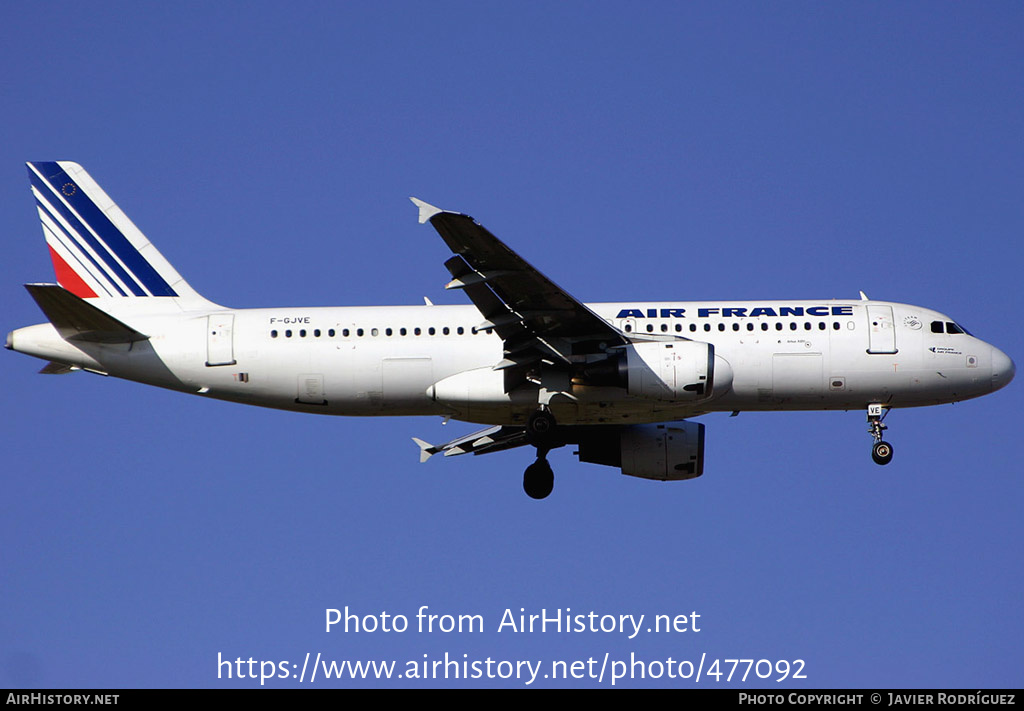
(431, 360)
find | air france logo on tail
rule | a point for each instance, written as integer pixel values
(92, 256)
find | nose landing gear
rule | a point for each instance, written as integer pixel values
(881, 452)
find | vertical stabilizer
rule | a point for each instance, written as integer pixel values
(97, 252)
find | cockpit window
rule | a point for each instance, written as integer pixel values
(948, 327)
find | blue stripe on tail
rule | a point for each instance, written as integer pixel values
(141, 272)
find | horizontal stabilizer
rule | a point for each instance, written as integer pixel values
(77, 320)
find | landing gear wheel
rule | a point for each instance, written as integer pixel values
(882, 452)
(538, 479)
(540, 426)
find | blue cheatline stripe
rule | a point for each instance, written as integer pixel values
(80, 233)
(70, 241)
(101, 224)
(60, 236)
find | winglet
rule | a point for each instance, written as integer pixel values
(426, 209)
(427, 450)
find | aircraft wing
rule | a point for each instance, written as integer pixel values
(492, 439)
(536, 319)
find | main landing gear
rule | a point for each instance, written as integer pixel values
(881, 452)
(540, 427)
(538, 479)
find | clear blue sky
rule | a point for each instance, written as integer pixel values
(655, 151)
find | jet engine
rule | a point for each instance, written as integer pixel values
(666, 452)
(675, 370)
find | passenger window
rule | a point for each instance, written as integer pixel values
(330, 332)
(460, 330)
(721, 327)
(707, 327)
(417, 331)
(402, 331)
(735, 327)
(445, 330)
(431, 330)
(273, 334)
(302, 333)
(374, 332)
(288, 333)
(764, 326)
(316, 333)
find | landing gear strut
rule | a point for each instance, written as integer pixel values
(881, 452)
(538, 479)
(540, 427)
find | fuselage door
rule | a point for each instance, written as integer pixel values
(220, 345)
(881, 329)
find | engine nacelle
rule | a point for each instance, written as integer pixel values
(665, 452)
(482, 386)
(674, 370)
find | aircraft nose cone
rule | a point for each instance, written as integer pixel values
(1002, 369)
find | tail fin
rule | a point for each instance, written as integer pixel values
(97, 252)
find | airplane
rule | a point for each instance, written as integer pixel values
(621, 381)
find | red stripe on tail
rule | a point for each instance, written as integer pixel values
(69, 279)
